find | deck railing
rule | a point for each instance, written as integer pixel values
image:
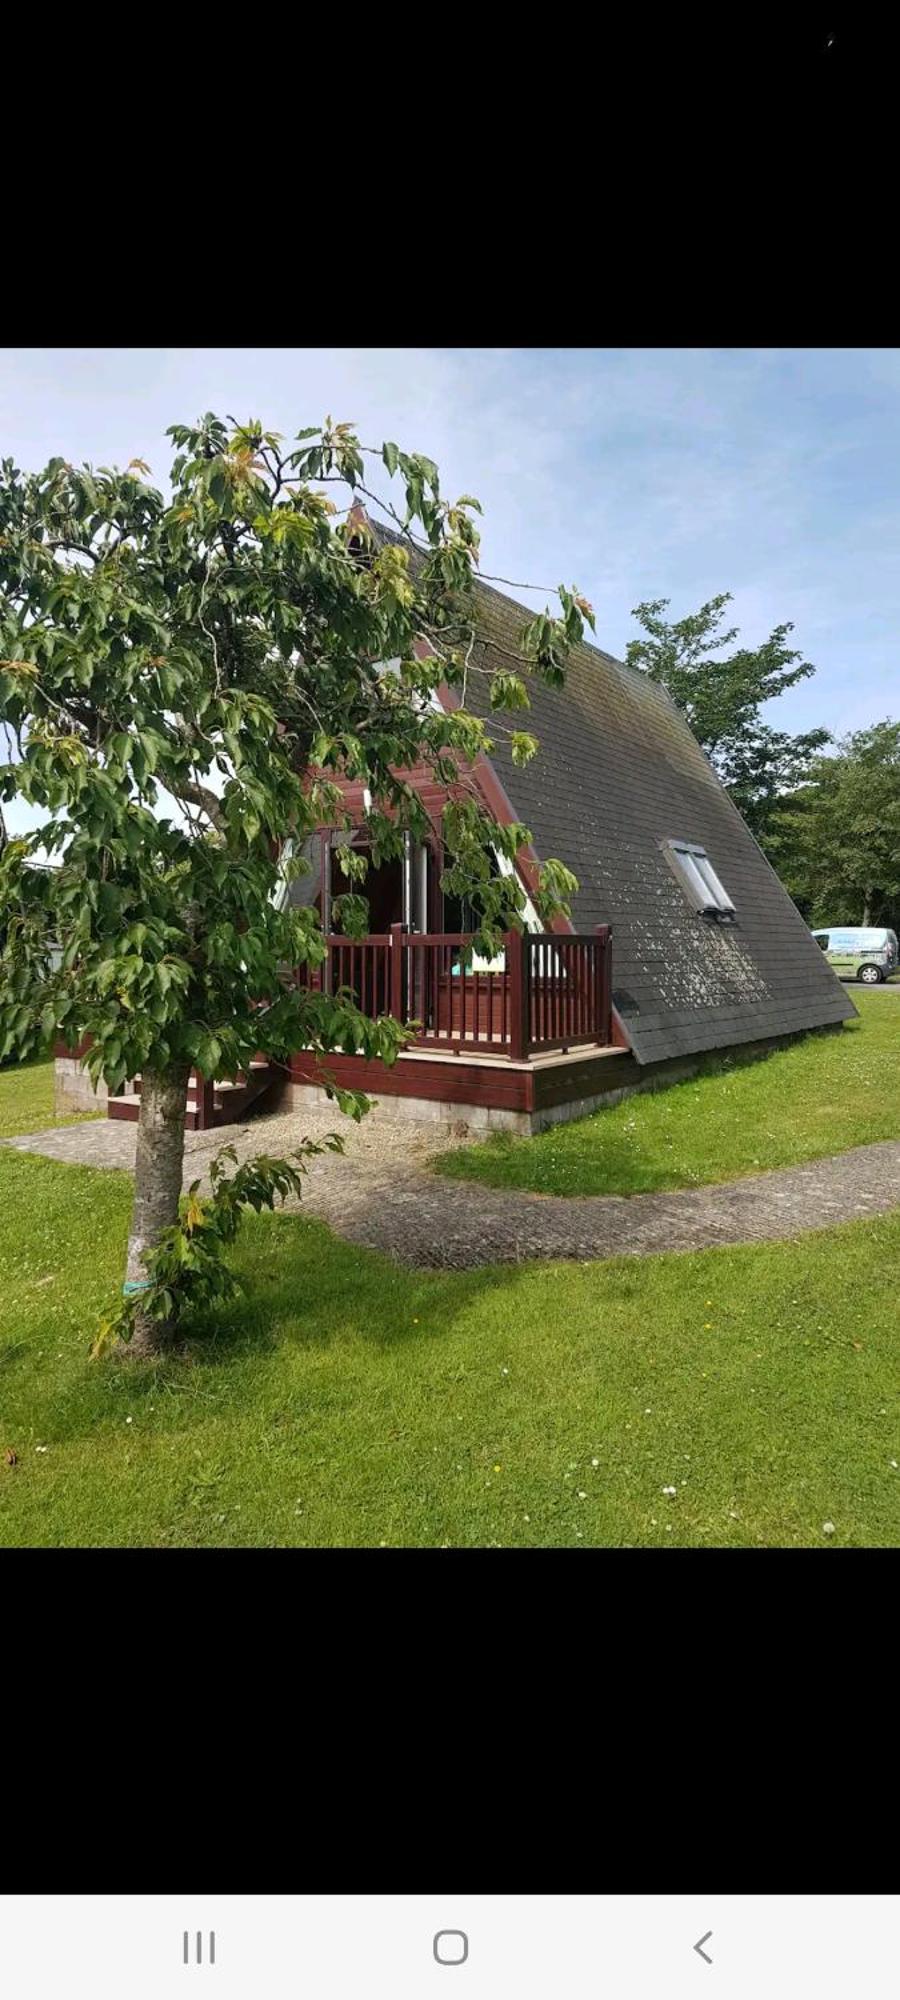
(567, 985)
(551, 991)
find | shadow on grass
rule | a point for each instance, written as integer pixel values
(304, 1289)
(308, 1287)
(622, 1165)
(13, 1064)
(619, 1168)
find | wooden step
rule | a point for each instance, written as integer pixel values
(257, 1070)
(231, 1099)
(128, 1109)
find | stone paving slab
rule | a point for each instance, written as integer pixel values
(381, 1194)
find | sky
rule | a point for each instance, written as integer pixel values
(633, 473)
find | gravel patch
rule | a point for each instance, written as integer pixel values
(380, 1193)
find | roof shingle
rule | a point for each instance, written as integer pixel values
(617, 773)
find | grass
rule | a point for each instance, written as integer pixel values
(344, 1401)
(26, 1100)
(821, 1095)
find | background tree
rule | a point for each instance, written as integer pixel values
(838, 836)
(722, 693)
(182, 678)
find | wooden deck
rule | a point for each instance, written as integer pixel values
(543, 992)
(521, 1036)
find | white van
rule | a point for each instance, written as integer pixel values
(855, 953)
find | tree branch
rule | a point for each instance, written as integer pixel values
(75, 548)
(193, 794)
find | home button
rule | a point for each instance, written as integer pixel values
(451, 1947)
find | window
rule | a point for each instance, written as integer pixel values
(460, 913)
(305, 889)
(822, 939)
(693, 869)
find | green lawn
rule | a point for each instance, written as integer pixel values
(348, 1402)
(819, 1096)
(26, 1100)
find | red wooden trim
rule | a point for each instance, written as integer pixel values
(498, 803)
(458, 1082)
(435, 893)
(61, 1048)
(604, 996)
(593, 1076)
(618, 1033)
(518, 995)
(397, 972)
(206, 1094)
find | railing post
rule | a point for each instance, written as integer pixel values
(516, 946)
(604, 985)
(206, 1091)
(319, 978)
(397, 972)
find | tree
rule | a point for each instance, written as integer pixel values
(764, 769)
(840, 833)
(722, 697)
(182, 678)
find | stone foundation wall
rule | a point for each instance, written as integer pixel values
(420, 1110)
(483, 1118)
(73, 1089)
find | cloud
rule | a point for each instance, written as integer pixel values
(634, 472)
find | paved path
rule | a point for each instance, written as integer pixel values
(381, 1194)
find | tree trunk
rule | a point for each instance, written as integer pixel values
(867, 910)
(157, 1187)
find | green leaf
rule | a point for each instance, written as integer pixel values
(208, 1055)
(509, 691)
(151, 744)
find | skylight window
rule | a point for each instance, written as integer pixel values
(694, 871)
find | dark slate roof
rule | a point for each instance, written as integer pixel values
(617, 772)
